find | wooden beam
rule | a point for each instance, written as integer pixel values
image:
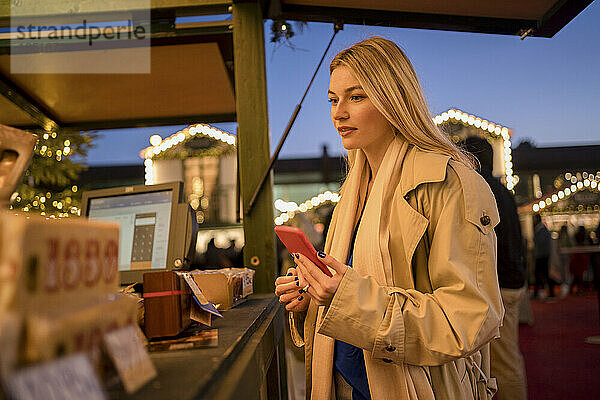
(219, 33)
(143, 122)
(559, 16)
(460, 23)
(61, 9)
(38, 113)
(253, 141)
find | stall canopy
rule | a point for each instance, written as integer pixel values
(541, 18)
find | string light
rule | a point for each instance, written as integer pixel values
(586, 181)
(178, 137)
(149, 171)
(155, 140)
(160, 145)
(496, 131)
(289, 209)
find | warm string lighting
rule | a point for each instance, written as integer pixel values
(579, 181)
(289, 208)
(49, 145)
(43, 201)
(160, 145)
(149, 171)
(178, 137)
(492, 129)
(53, 150)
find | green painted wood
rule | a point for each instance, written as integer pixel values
(253, 142)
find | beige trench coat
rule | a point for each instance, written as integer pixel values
(433, 326)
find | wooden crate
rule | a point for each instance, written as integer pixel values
(166, 304)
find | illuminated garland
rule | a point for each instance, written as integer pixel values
(587, 181)
(290, 209)
(47, 186)
(489, 128)
(160, 146)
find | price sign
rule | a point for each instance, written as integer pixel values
(129, 355)
(68, 378)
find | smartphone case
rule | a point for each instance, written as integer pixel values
(296, 242)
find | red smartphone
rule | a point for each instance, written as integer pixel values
(296, 242)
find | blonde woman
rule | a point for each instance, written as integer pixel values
(414, 300)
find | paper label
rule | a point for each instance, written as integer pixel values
(199, 296)
(198, 314)
(247, 287)
(68, 378)
(129, 355)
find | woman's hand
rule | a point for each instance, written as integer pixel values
(321, 287)
(288, 289)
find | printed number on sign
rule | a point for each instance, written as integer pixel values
(66, 269)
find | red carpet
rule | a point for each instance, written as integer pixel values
(560, 365)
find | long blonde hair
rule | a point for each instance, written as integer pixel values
(389, 79)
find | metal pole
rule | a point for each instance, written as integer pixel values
(336, 28)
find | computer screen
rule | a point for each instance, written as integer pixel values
(144, 220)
(155, 226)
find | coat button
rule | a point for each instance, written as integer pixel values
(390, 348)
(485, 220)
(386, 360)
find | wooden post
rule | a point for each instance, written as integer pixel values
(253, 141)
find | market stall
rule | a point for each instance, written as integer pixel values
(64, 274)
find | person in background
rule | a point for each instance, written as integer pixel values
(507, 364)
(579, 262)
(542, 243)
(595, 259)
(564, 241)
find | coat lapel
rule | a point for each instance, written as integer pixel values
(412, 228)
(419, 167)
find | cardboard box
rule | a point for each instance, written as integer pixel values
(47, 264)
(226, 287)
(76, 328)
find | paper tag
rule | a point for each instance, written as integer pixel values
(198, 314)
(68, 378)
(199, 296)
(247, 288)
(129, 355)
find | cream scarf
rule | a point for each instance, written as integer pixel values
(371, 255)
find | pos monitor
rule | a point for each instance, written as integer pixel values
(157, 229)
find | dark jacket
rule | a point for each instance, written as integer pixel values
(511, 269)
(542, 241)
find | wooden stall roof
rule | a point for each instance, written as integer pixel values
(542, 18)
(187, 83)
(191, 77)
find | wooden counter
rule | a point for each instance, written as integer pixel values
(249, 362)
